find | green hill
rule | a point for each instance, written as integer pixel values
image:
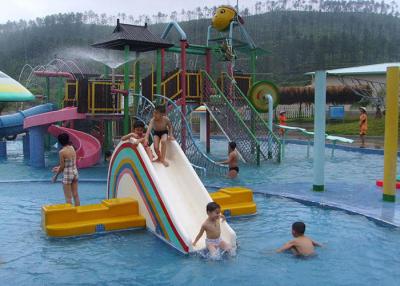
(298, 41)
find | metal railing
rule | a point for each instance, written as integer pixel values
(198, 158)
(270, 144)
(229, 119)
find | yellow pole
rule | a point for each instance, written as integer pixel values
(391, 134)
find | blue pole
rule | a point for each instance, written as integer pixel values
(36, 146)
(25, 145)
(319, 131)
(3, 149)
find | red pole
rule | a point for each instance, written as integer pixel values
(207, 90)
(183, 84)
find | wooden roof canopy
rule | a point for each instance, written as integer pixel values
(138, 38)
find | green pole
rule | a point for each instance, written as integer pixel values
(158, 74)
(47, 90)
(107, 123)
(253, 80)
(60, 92)
(137, 83)
(126, 87)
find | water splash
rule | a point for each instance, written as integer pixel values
(111, 58)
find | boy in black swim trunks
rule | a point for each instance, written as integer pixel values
(161, 127)
(232, 161)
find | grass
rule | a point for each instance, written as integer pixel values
(376, 127)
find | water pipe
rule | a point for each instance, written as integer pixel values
(270, 118)
(54, 74)
(177, 27)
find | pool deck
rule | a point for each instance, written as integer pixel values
(365, 200)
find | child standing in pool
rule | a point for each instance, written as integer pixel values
(139, 137)
(68, 168)
(232, 161)
(363, 125)
(212, 228)
(301, 244)
(161, 127)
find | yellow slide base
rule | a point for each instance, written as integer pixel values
(235, 201)
(111, 215)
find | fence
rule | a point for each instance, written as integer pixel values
(296, 111)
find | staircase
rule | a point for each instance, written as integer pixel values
(239, 121)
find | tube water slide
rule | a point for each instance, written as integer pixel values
(172, 199)
(13, 124)
(88, 148)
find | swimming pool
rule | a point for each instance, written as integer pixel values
(356, 252)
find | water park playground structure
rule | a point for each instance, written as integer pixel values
(172, 210)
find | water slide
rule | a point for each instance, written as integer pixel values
(172, 199)
(88, 148)
(13, 124)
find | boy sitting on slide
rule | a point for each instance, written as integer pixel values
(139, 137)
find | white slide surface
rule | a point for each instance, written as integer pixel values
(172, 199)
(186, 195)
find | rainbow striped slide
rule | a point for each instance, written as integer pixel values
(172, 199)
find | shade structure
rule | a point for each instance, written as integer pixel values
(12, 91)
(138, 38)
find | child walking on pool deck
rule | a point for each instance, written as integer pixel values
(212, 228)
(139, 136)
(301, 245)
(161, 127)
(68, 168)
(363, 125)
(232, 161)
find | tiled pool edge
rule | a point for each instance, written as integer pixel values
(330, 205)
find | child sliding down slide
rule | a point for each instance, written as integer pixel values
(212, 228)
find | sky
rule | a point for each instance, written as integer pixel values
(14, 10)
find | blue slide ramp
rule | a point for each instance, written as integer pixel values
(13, 124)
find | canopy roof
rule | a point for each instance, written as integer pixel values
(138, 38)
(377, 69)
(12, 91)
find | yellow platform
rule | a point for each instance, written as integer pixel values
(235, 201)
(114, 214)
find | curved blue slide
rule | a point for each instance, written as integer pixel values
(13, 124)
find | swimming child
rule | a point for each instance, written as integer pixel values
(68, 168)
(301, 245)
(139, 137)
(161, 127)
(282, 121)
(232, 161)
(212, 228)
(363, 125)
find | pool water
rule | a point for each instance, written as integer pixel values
(356, 250)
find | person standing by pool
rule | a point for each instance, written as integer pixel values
(68, 167)
(363, 125)
(282, 121)
(232, 161)
(301, 245)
